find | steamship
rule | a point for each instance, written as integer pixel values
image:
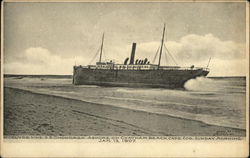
(139, 73)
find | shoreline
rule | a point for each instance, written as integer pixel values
(125, 121)
(68, 98)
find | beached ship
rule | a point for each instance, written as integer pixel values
(139, 73)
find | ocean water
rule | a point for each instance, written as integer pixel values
(215, 101)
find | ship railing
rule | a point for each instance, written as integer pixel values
(80, 66)
(148, 68)
(184, 68)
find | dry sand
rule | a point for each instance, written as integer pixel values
(28, 113)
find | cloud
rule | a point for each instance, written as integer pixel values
(196, 48)
(228, 57)
(39, 60)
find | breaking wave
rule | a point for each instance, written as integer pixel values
(202, 84)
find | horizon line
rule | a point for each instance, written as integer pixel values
(72, 75)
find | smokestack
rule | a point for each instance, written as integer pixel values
(132, 54)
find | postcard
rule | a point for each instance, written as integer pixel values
(125, 78)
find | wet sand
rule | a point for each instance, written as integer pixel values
(28, 113)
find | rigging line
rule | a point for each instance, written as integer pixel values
(208, 62)
(94, 56)
(170, 55)
(166, 57)
(156, 55)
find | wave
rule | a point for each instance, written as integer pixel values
(150, 101)
(207, 85)
(86, 86)
(152, 91)
(201, 84)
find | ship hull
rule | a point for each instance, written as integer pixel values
(135, 78)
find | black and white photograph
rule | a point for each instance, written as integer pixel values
(153, 70)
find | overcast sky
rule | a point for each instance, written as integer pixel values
(49, 38)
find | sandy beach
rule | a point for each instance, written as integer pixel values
(28, 113)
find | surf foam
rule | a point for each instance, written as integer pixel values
(201, 84)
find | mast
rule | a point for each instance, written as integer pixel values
(162, 42)
(100, 59)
